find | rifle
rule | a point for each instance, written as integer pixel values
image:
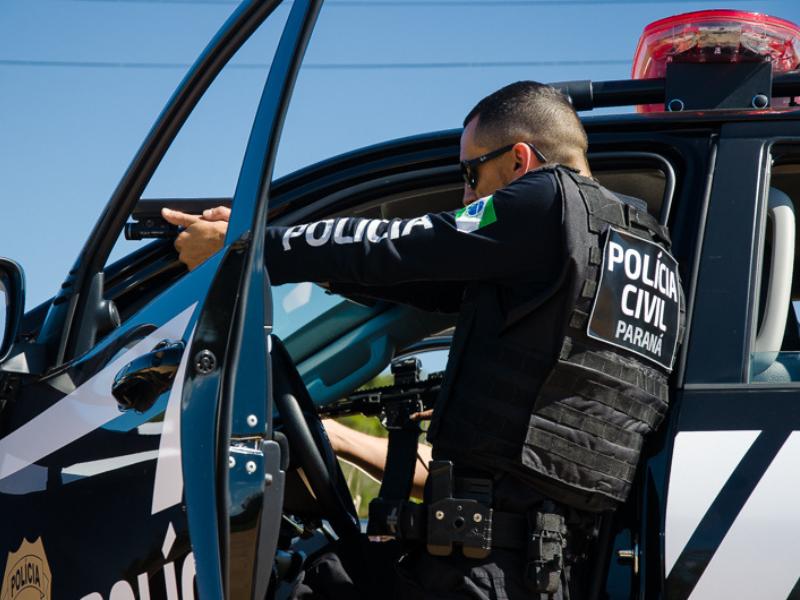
(395, 403)
(389, 513)
(148, 223)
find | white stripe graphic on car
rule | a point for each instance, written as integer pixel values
(759, 556)
(98, 467)
(168, 486)
(702, 461)
(88, 407)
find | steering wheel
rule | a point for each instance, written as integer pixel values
(310, 444)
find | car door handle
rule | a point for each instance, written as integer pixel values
(139, 383)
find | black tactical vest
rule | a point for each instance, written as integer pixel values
(559, 389)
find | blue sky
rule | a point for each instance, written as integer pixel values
(81, 82)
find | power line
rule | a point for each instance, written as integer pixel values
(187, 2)
(91, 64)
(432, 3)
(318, 66)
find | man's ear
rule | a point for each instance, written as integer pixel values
(524, 159)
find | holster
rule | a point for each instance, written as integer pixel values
(462, 516)
(547, 539)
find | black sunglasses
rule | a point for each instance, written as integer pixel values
(469, 168)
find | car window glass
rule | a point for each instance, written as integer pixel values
(3, 312)
(431, 361)
(295, 304)
(775, 350)
(204, 159)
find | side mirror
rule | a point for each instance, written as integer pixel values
(12, 303)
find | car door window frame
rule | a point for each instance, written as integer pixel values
(245, 392)
(761, 268)
(732, 271)
(70, 312)
(717, 348)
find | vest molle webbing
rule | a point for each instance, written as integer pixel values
(598, 402)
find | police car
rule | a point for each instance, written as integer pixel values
(141, 455)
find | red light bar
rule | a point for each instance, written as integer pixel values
(726, 36)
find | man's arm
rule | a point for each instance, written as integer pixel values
(204, 235)
(514, 233)
(369, 453)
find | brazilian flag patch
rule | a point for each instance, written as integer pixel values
(476, 215)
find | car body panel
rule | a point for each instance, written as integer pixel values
(75, 468)
(186, 497)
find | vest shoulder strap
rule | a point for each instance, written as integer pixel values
(605, 209)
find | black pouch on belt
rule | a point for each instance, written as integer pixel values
(546, 541)
(458, 514)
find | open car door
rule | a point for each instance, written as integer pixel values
(136, 453)
(231, 356)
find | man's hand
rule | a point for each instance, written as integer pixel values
(203, 235)
(219, 213)
(424, 415)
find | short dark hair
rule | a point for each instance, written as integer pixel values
(528, 111)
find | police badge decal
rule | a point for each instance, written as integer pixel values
(637, 306)
(27, 575)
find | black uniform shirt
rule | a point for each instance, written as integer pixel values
(511, 241)
(509, 238)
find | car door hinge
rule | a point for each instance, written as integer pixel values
(246, 458)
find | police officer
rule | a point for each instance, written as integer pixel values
(569, 318)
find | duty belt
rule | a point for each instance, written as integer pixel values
(460, 514)
(410, 522)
